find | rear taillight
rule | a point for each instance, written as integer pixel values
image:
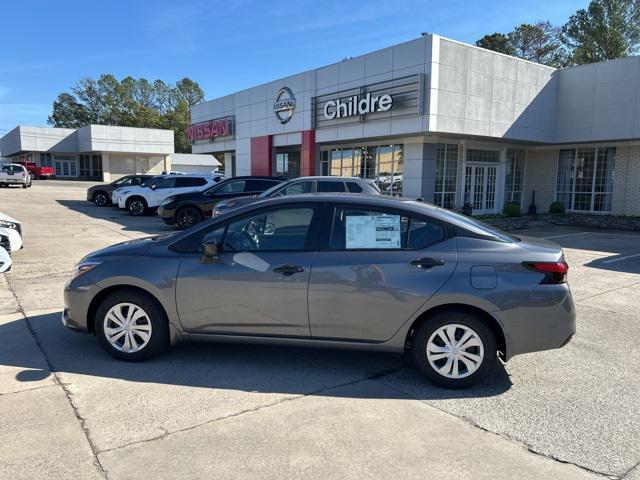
(554, 272)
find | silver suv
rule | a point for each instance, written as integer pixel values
(348, 271)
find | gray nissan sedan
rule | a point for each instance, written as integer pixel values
(337, 270)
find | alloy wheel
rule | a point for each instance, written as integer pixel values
(127, 327)
(455, 351)
(100, 200)
(136, 207)
(187, 218)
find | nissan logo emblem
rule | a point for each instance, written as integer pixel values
(284, 105)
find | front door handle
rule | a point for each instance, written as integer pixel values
(427, 263)
(287, 270)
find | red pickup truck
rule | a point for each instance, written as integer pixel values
(38, 172)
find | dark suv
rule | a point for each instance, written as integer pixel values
(188, 209)
(101, 194)
(301, 185)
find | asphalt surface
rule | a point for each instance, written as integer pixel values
(68, 410)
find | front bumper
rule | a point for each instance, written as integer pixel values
(168, 215)
(78, 294)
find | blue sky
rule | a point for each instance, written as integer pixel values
(224, 45)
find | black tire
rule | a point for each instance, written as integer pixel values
(477, 325)
(25, 185)
(188, 217)
(100, 199)
(137, 206)
(159, 339)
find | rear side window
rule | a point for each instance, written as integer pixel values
(189, 182)
(363, 229)
(354, 187)
(258, 185)
(328, 187)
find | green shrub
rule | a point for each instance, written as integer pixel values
(556, 207)
(512, 210)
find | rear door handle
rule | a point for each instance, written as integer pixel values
(427, 262)
(287, 270)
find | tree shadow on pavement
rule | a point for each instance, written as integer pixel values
(250, 368)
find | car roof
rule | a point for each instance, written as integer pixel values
(254, 177)
(331, 178)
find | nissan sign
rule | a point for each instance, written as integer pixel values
(209, 130)
(356, 105)
(284, 104)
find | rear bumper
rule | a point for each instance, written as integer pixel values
(547, 320)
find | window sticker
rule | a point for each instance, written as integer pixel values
(375, 231)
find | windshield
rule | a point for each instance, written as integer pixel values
(272, 190)
(151, 181)
(120, 181)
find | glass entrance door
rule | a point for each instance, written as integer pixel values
(287, 164)
(480, 188)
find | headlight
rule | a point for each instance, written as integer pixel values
(167, 201)
(84, 267)
(8, 224)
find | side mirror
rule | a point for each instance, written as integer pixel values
(153, 187)
(209, 252)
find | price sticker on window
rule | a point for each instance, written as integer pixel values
(372, 231)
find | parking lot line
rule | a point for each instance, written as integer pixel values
(626, 257)
(566, 235)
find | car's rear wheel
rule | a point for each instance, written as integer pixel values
(137, 206)
(131, 326)
(100, 199)
(454, 349)
(188, 216)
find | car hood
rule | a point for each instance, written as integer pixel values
(101, 186)
(129, 248)
(4, 216)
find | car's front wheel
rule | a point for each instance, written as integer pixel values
(137, 206)
(100, 199)
(454, 349)
(131, 326)
(187, 217)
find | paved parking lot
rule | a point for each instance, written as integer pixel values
(68, 410)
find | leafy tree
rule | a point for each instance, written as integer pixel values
(540, 43)
(130, 102)
(498, 42)
(607, 29)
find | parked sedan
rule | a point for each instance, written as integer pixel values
(346, 271)
(300, 185)
(101, 194)
(187, 209)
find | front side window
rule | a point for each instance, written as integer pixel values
(259, 185)
(230, 187)
(513, 176)
(585, 178)
(362, 229)
(446, 175)
(281, 229)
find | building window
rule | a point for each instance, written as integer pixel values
(492, 156)
(585, 178)
(45, 160)
(382, 163)
(91, 166)
(446, 175)
(513, 176)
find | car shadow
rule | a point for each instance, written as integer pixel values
(250, 368)
(149, 223)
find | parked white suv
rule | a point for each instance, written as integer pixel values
(141, 199)
(14, 174)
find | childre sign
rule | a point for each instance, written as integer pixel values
(338, 108)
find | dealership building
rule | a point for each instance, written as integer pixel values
(101, 152)
(445, 121)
